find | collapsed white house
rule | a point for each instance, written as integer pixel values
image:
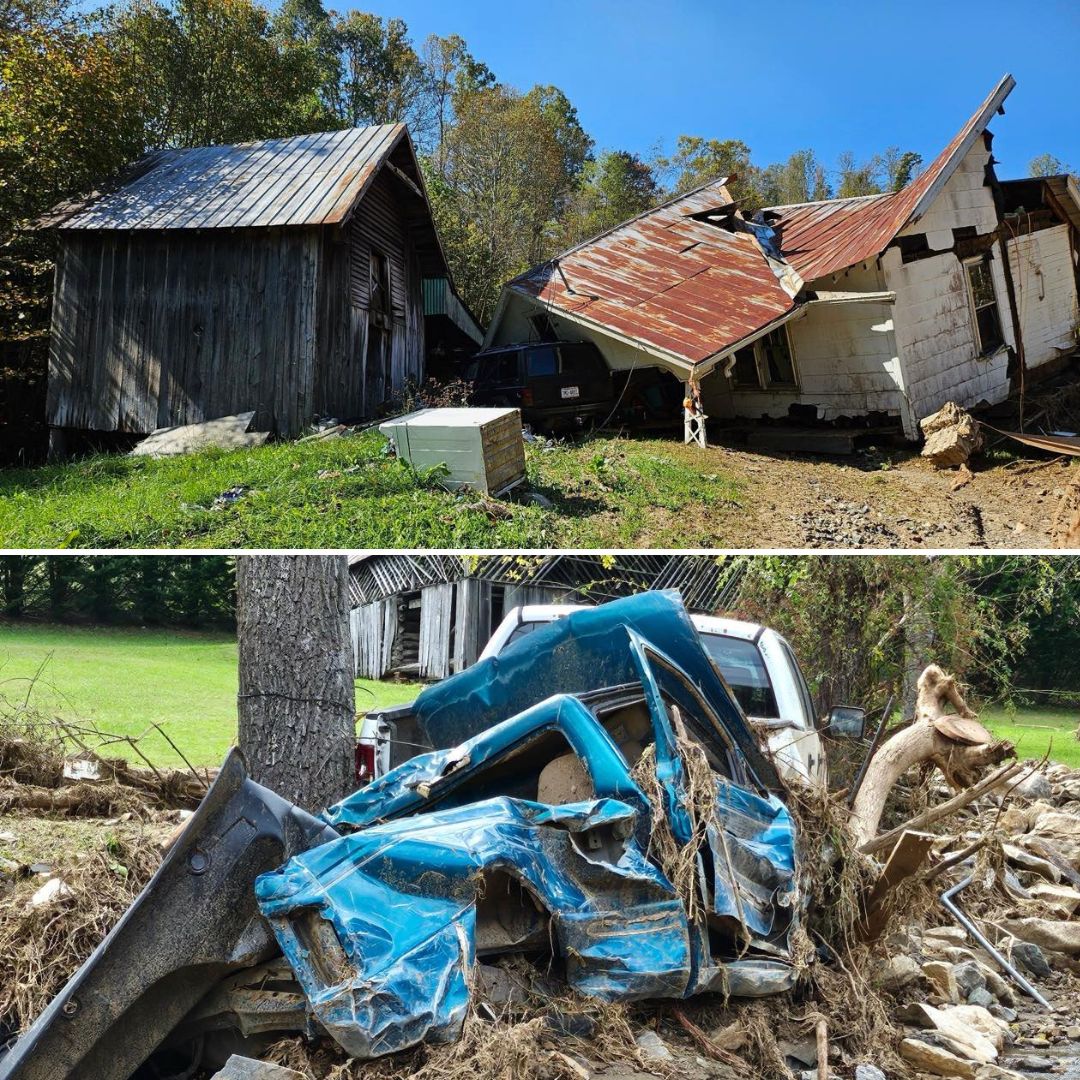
(877, 309)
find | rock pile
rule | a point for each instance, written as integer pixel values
(952, 435)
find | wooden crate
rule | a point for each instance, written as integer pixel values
(482, 448)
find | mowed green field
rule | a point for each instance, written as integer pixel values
(1034, 731)
(124, 680)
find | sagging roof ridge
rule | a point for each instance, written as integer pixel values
(865, 225)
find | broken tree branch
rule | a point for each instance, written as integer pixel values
(953, 741)
(704, 1043)
(942, 810)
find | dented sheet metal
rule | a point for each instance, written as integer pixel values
(401, 900)
(583, 651)
(670, 279)
(822, 238)
(383, 925)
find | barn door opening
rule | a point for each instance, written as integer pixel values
(377, 374)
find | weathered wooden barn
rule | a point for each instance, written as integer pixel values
(287, 276)
(876, 309)
(427, 616)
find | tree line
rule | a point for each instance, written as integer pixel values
(514, 176)
(862, 626)
(196, 591)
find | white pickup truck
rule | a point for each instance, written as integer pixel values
(758, 665)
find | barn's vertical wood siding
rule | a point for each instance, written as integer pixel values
(154, 329)
(378, 224)
(373, 627)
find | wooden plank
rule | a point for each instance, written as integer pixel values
(905, 860)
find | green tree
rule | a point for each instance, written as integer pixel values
(511, 163)
(215, 71)
(799, 179)
(1047, 165)
(857, 178)
(382, 79)
(615, 187)
(699, 161)
(900, 167)
(66, 122)
(450, 73)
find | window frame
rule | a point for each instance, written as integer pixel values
(761, 366)
(380, 260)
(982, 350)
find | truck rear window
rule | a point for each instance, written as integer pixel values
(741, 664)
(542, 362)
(582, 358)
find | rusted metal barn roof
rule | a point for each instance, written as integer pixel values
(824, 237)
(668, 279)
(306, 180)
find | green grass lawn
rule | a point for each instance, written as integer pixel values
(347, 492)
(122, 680)
(1033, 730)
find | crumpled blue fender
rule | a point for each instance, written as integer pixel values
(414, 783)
(399, 902)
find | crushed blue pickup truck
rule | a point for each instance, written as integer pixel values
(595, 803)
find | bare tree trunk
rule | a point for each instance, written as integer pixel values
(956, 742)
(297, 700)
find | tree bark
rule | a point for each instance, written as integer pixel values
(297, 702)
(957, 743)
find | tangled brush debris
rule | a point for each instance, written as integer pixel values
(43, 943)
(912, 989)
(81, 837)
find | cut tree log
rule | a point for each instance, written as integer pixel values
(955, 742)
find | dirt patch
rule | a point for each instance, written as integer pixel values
(899, 501)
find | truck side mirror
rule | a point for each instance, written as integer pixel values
(846, 722)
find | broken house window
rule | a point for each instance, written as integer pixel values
(765, 364)
(984, 306)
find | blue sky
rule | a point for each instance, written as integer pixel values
(782, 76)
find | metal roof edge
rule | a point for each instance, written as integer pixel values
(706, 365)
(600, 327)
(667, 204)
(978, 124)
(384, 156)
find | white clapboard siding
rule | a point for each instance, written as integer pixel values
(1045, 283)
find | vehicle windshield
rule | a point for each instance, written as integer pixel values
(741, 664)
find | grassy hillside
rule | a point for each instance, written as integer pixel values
(122, 680)
(349, 493)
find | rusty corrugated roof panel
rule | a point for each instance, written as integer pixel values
(825, 237)
(307, 180)
(668, 280)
